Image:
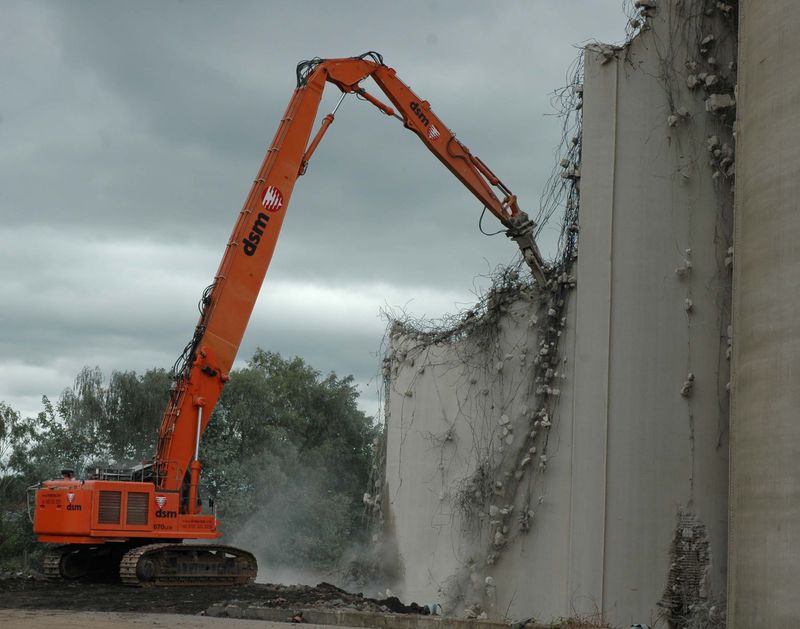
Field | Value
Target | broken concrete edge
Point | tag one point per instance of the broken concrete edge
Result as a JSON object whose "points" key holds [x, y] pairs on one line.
{"points": [[373, 620], [639, 14]]}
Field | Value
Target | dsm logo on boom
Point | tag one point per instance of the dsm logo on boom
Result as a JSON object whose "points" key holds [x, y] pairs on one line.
{"points": [[420, 113], [256, 231], [272, 201]]}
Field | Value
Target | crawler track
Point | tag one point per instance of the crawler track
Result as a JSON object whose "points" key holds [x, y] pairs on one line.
{"points": [[187, 564], [51, 564], [81, 562]]}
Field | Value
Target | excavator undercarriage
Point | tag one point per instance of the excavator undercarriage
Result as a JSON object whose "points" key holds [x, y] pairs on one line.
{"points": [[151, 564]]}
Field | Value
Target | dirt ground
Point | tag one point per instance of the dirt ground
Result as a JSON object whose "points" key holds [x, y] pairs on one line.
{"points": [[27, 603], [60, 619], [31, 594]]}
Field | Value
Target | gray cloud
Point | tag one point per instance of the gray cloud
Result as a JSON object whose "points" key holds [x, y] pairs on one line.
{"points": [[130, 132]]}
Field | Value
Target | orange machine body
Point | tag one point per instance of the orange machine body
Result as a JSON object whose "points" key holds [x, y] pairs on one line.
{"points": [[71, 511], [107, 508]]}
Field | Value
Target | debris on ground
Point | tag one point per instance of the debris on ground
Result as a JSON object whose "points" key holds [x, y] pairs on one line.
{"points": [[27, 592]]}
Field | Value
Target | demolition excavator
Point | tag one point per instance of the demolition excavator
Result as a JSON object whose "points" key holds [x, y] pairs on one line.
{"points": [[131, 523]]}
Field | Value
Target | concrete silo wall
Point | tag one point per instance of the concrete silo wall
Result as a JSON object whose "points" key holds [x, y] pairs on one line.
{"points": [[765, 413], [625, 517], [650, 410]]}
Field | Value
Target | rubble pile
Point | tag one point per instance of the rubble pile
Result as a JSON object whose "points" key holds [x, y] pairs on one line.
{"points": [[327, 596], [24, 591]]}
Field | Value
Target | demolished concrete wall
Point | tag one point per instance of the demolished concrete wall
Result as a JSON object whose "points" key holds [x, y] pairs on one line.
{"points": [[477, 463], [564, 452]]}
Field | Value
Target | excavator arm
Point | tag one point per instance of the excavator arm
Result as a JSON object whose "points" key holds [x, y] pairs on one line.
{"points": [[417, 116], [227, 304]]}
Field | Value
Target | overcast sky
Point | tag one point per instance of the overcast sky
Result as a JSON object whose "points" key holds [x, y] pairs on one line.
{"points": [[130, 133]]}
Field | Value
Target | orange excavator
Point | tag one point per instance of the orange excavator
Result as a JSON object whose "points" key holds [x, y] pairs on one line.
{"points": [[132, 522]]}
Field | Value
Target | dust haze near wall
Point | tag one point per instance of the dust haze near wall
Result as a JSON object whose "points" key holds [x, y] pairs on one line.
{"points": [[518, 492]]}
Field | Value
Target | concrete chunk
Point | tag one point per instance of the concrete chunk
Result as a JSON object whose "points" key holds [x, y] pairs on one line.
{"points": [[716, 102]]}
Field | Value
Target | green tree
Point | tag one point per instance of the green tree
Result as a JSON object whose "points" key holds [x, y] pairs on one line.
{"points": [[134, 405], [115, 423], [15, 438]]}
